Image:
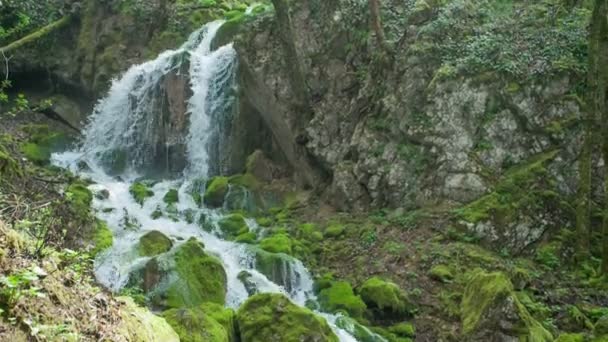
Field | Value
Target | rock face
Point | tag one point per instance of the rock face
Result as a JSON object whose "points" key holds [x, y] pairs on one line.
{"points": [[272, 317], [492, 312]]}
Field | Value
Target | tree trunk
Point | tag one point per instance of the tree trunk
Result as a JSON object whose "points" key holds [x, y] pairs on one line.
{"points": [[36, 35], [376, 23], [600, 27], [292, 61]]}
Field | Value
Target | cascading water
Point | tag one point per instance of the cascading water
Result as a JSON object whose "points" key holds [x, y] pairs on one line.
{"points": [[125, 123]]}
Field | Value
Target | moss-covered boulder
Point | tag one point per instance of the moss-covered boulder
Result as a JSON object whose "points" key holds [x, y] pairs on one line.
{"points": [[102, 237], [233, 226], [154, 243], [216, 190], [278, 243], [196, 325], [490, 306], [171, 197], [79, 198], [340, 297], [273, 317], [141, 325], [385, 298], [140, 192], [276, 267], [186, 278], [334, 231]]}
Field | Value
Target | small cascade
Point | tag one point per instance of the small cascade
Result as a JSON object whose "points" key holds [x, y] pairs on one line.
{"points": [[132, 131]]}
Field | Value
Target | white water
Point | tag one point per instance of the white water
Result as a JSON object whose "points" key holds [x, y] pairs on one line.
{"points": [[119, 120]]}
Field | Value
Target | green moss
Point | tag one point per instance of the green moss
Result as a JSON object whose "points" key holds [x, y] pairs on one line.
{"points": [[9, 167], [140, 324], [195, 325], [571, 338], [246, 180], [441, 273], [80, 199], [264, 221], [340, 297], [40, 155], [334, 230], [522, 187], [487, 292], [216, 190], [171, 197], [200, 278], [403, 330], [248, 237], [273, 317], [224, 316], [278, 243], [103, 238], [385, 296], [276, 267], [157, 213], [154, 243], [140, 192], [233, 226], [360, 332]]}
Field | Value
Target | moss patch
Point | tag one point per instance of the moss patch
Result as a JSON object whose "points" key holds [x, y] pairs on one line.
{"points": [[217, 188], [103, 238], [273, 317], [201, 278], [233, 226], [385, 296], [278, 243], [140, 192], [441, 273], [171, 197], [195, 325], [341, 297], [154, 243]]}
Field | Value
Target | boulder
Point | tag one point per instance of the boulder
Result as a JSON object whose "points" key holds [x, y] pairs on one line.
{"points": [[491, 311], [341, 297], [273, 317], [385, 298], [233, 226], [216, 190], [154, 243], [205, 323]]}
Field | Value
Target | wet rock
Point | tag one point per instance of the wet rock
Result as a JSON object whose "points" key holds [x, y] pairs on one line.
{"points": [[385, 299], [216, 190], [154, 243], [250, 286], [273, 317]]}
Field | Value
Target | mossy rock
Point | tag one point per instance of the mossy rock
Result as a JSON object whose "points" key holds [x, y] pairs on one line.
{"points": [[139, 324], [278, 243], [360, 332], [488, 300], [245, 278], [224, 316], [217, 188], [153, 243], [140, 192], [102, 238], [276, 267], [273, 317], [35, 153], [248, 238], [171, 197], [571, 338], [195, 325], [385, 298], [441, 273], [233, 226], [186, 278], [334, 231], [341, 297]]}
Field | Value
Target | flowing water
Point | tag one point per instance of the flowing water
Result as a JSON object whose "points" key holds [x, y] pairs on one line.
{"points": [[125, 120]]}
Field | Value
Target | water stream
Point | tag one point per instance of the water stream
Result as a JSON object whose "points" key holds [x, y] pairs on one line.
{"points": [[126, 121]]}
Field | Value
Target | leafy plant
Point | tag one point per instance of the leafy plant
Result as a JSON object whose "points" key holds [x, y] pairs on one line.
{"points": [[19, 284]]}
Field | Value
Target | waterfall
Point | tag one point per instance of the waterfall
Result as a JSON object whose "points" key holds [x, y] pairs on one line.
{"points": [[126, 137]]}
